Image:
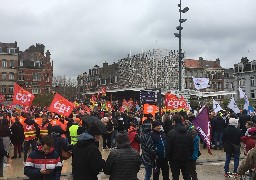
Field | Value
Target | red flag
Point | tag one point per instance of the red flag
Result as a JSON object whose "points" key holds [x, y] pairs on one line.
{"points": [[202, 124], [61, 106], [103, 90], [21, 96]]}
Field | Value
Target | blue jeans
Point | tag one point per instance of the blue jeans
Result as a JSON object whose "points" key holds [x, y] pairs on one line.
{"points": [[217, 136], [148, 172], [236, 161]]}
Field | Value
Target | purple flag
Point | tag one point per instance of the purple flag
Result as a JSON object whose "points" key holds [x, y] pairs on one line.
{"points": [[202, 124]]}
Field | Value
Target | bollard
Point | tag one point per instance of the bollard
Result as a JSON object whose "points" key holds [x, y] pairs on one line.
{"points": [[1, 167]]}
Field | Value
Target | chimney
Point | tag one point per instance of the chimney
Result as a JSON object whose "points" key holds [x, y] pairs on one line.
{"points": [[201, 58], [218, 61]]}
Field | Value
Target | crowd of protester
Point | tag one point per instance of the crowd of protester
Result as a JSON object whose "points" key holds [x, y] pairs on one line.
{"points": [[163, 144]]}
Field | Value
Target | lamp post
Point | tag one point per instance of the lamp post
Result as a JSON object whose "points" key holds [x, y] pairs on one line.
{"points": [[178, 35]]}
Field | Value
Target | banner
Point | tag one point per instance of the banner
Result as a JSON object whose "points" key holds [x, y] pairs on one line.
{"points": [[21, 96], [149, 109], [232, 105], [103, 91], [172, 102], [108, 106], [61, 106], [201, 83], [202, 124], [215, 106]]}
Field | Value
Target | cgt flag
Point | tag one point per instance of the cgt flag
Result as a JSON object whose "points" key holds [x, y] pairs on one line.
{"points": [[202, 124], [61, 106], [21, 96]]}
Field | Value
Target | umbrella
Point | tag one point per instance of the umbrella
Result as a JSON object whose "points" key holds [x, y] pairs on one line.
{"points": [[93, 121]]}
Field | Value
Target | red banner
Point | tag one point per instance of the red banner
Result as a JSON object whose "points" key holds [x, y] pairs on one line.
{"points": [[21, 96], [103, 90], [172, 102], [61, 106]]}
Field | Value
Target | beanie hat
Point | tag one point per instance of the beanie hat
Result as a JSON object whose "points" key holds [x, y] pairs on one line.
{"points": [[155, 124], [122, 137], [94, 130], [233, 122]]}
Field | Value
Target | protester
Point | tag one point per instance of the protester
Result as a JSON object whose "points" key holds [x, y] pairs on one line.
{"points": [[17, 137], [73, 131], [159, 142], [231, 140], [3, 153], [5, 135], [87, 160], [45, 127], [167, 123], [43, 163], [134, 137], [148, 154], [218, 126], [248, 162], [179, 149], [123, 163], [249, 140], [243, 118], [31, 133]]}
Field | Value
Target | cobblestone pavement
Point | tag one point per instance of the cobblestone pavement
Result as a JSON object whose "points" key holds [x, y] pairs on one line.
{"points": [[209, 166]]}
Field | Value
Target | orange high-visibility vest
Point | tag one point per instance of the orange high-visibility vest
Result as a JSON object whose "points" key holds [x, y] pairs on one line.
{"points": [[29, 132]]}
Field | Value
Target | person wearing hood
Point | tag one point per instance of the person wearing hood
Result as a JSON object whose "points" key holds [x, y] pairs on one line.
{"points": [[31, 133], [124, 161], [134, 137], [231, 141], [159, 142], [17, 137], [148, 154], [44, 163], [87, 160], [180, 147]]}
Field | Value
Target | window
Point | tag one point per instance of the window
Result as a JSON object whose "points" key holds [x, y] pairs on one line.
{"points": [[227, 85], [103, 81], [36, 76], [252, 94], [37, 64], [11, 76], [21, 62], [11, 50], [3, 89], [36, 90], [11, 89], [0, 50], [4, 63], [12, 63], [21, 78], [4, 76], [252, 81]]}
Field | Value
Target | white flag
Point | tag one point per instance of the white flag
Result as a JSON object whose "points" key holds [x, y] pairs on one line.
{"points": [[201, 83], [216, 106], [246, 102], [232, 105], [241, 93]]}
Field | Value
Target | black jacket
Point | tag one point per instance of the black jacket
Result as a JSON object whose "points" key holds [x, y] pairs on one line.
{"points": [[87, 161], [2, 150], [218, 124], [17, 133], [180, 144], [231, 136], [123, 163]]}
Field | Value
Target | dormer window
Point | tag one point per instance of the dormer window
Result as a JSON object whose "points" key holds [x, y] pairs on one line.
{"points": [[11, 50], [37, 64]]}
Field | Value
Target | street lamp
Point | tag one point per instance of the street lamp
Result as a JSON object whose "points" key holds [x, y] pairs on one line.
{"points": [[178, 35]]}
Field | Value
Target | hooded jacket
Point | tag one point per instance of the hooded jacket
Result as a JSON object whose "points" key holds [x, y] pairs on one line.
{"points": [[180, 146], [87, 161], [248, 163]]}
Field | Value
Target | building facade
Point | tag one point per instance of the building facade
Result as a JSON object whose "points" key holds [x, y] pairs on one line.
{"points": [[204, 69], [35, 70], [30, 69], [8, 68], [245, 74]]}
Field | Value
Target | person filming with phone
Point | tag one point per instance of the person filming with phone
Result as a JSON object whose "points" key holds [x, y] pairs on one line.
{"points": [[44, 163]]}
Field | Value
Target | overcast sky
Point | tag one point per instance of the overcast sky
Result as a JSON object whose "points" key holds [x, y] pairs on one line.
{"points": [[82, 33]]}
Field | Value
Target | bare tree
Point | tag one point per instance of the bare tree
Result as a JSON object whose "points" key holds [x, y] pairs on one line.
{"points": [[66, 86]]}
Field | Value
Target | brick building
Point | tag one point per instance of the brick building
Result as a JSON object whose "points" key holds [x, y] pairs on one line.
{"points": [[30, 69]]}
